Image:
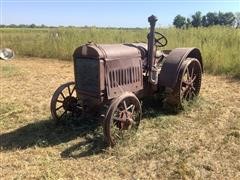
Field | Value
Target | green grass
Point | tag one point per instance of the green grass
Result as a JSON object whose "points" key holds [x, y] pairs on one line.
{"points": [[8, 70], [219, 45]]}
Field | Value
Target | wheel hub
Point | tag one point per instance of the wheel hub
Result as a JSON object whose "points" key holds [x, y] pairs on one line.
{"points": [[126, 120], [70, 103]]}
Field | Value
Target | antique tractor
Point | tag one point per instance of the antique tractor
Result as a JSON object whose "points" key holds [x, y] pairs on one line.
{"points": [[116, 76]]}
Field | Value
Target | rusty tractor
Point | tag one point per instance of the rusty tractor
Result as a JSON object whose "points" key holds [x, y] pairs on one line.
{"points": [[116, 76]]}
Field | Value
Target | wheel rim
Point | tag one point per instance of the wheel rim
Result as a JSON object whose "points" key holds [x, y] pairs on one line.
{"points": [[190, 81], [65, 102], [124, 119]]}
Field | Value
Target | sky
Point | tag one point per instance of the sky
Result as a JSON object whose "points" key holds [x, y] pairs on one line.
{"points": [[106, 13]]}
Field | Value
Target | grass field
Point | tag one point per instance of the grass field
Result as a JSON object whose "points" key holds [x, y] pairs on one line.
{"points": [[219, 45], [202, 142]]}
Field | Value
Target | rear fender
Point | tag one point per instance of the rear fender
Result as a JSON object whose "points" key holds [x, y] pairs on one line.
{"points": [[172, 65]]}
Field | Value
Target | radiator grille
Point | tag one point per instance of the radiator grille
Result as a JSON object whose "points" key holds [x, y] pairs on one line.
{"points": [[121, 77], [87, 75]]}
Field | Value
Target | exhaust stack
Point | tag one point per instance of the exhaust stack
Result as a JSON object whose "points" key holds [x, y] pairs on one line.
{"points": [[153, 75]]}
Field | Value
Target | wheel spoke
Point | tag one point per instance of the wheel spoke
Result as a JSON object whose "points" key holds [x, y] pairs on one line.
{"points": [[74, 87], [192, 72], [69, 91], [133, 109], [129, 107], [62, 95], [65, 112], [193, 93], [186, 83], [59, 107], [118, 119], [188, 74], [186, 93], [193, 79], [60, 101], [190, 94], [193, 88], [125, 105]]}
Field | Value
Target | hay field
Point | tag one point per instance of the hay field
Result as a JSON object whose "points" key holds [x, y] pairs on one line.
{"points": [[200, 143]]}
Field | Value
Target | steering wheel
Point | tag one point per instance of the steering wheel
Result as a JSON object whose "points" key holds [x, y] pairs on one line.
{"points": [[160, 41]]}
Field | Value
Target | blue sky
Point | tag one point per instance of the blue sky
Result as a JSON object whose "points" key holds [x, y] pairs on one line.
{"points": [[106, 13]]}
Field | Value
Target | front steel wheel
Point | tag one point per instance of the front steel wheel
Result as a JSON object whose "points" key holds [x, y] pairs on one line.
{"points": [[188, 85], [64, 102], [122, 118]]}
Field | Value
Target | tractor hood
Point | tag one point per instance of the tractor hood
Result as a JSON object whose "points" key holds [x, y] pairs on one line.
{"points": [[111, 51]]}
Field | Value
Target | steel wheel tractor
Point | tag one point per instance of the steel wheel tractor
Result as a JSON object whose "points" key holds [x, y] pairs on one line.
{"points": [[116, 76]]}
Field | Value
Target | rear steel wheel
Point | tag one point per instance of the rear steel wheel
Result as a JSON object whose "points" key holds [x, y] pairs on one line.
{"points": [[188, 85], [64, 102], [122, 118]]}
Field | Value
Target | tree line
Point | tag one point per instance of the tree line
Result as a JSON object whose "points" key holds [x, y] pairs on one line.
{"points": [[209, 19], [28, 26], [60, 26], [196, 20]]}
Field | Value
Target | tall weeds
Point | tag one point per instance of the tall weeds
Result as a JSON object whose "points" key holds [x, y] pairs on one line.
{"points": [[220, 46]]}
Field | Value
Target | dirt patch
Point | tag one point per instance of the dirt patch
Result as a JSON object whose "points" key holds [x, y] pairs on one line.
{"points": [[202, 142]]}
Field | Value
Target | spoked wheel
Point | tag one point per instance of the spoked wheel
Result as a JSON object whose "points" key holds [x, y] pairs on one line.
{"points": [[188, 84], [122, 118], [64, 102]]}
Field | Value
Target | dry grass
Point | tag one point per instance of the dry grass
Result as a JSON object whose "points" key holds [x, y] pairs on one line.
{"points": [[202, 142]]}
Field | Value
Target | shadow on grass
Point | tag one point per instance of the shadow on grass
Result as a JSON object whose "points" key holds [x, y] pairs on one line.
{"points": [[154, 107], [45, 133], [91, 146]]}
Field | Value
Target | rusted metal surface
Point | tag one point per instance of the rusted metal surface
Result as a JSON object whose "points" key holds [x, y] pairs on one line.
{"points": [[188, 84], [122, 77], [122, 71], [123, 115], [108, 52], [151, 41], [65, 102], [171, 67]]}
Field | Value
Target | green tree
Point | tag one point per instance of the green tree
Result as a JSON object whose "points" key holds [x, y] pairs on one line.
{"points": [[179, 21], [32, 26], [21, 25], [221, 18], [212, 18], [43, 26], [197, 19], [229, 19], [12, 25], [188, 23], [204, 21]]}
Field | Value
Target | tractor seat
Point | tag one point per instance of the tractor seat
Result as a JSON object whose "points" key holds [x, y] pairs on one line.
{"points": [[159, 54]]}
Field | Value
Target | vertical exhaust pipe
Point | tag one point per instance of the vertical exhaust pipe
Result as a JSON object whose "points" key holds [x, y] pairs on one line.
{"points": [[153, 74]]}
